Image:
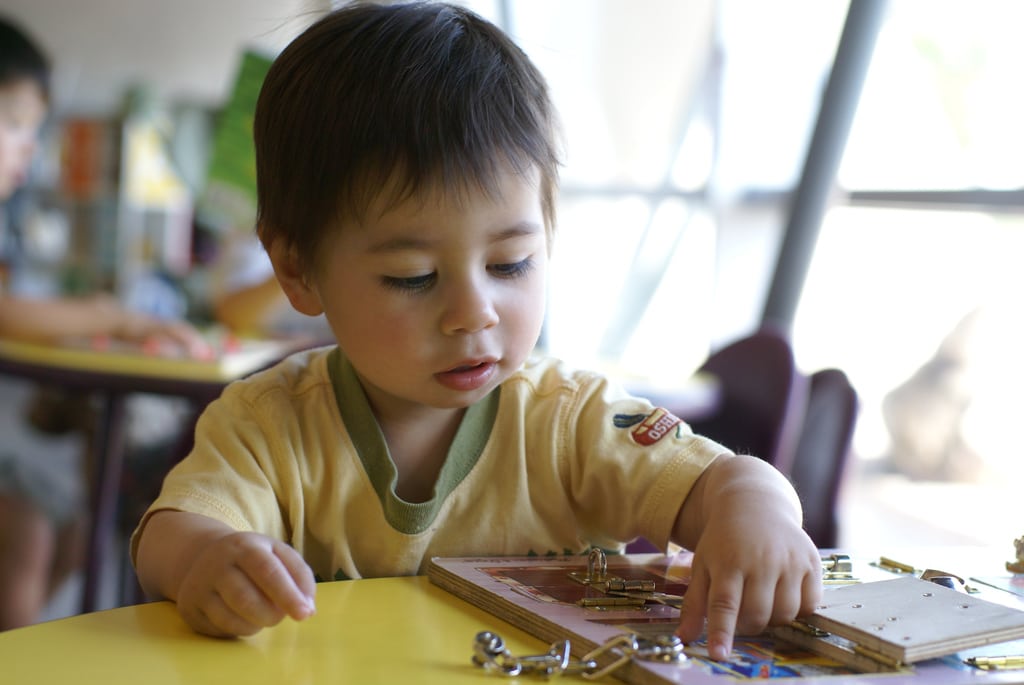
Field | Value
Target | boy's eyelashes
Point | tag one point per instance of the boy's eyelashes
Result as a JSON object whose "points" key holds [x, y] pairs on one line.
{"points": [[411, 284], [422, 282], [512, 270]]}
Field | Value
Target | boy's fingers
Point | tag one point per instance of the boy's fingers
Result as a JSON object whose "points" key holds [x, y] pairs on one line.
{"points": [[691, 614], [723, 605], [220, 620], [788, 600], [243, 591], [811, 594], [760, 600], [301, 575], [274, 579]]}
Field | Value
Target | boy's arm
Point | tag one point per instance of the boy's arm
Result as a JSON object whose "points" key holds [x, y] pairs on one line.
{"points": [[225, 583], [753, 565]]}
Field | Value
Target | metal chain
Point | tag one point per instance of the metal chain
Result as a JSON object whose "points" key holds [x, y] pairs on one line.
{"points": [[490, 653]]}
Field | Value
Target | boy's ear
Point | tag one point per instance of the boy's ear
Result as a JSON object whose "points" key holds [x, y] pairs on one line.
{"points": [[293, 279]]}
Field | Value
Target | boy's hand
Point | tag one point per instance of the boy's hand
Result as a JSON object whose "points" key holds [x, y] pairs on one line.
{"points": [[753, 565], [243, 582]]}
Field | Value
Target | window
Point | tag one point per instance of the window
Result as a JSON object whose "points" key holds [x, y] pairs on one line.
{"points": [[914, 289]]}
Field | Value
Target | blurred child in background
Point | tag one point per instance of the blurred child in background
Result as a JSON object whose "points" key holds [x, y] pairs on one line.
{"points": [[42, 523]]}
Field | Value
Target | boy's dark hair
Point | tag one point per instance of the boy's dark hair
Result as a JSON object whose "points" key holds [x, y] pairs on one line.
{"points": [[425, 95], [20, 58]]}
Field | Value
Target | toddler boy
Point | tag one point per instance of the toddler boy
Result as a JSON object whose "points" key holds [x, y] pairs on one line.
{"points": [[407, 172]]}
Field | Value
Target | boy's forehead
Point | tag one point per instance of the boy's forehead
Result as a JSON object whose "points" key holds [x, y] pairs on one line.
{"points": [[437, 188], [510, 200], [397, 191]]}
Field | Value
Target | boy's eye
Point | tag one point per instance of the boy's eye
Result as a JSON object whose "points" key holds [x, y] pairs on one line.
{"points": [[415, 284], [409, 283], [513, 270]]}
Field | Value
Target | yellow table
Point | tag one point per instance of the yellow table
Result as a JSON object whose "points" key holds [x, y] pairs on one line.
{"points": [[389, 630]]}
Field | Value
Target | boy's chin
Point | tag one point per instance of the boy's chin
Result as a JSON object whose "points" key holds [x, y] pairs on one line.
{"points": [[449, 399], [464, 401]]}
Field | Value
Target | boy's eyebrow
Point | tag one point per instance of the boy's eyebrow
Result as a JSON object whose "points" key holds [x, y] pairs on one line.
{"points": [[400, 243]]}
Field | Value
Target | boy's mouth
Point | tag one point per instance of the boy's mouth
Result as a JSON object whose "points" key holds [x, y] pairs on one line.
{"points": [[469, 376], [465, 367]]}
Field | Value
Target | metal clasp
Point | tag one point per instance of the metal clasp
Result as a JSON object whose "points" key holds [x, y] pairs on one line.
{"points": [[489, 653], [667, 648]]}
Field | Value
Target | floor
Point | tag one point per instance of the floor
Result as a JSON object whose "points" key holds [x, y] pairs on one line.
{"points": [[880, 509], [59, 457]]}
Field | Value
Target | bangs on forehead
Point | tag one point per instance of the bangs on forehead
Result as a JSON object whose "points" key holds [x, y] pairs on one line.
{"points": [[455, 178]]}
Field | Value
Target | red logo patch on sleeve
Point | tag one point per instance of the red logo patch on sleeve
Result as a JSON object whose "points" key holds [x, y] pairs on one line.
{"points": [[657, 425]]}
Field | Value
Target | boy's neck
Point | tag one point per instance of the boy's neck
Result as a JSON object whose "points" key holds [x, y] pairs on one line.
{"points": [[419, 444]]}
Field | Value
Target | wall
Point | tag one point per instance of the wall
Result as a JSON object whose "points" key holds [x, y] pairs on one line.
{"points": [[185, 50]]}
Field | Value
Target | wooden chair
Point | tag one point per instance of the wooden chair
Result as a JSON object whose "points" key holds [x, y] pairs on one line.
{"points": [[761, 397], [761, 402], [821, 454]]}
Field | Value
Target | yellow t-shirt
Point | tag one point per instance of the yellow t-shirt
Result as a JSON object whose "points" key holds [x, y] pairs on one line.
{"points": [[552, 462]]}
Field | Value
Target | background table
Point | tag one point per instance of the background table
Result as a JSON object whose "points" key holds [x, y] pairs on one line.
{"points": [[111, 375], [390, 630]]}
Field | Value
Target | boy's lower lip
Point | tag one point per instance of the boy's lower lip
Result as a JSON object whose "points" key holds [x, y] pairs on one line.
{"points": [[467, 377]]}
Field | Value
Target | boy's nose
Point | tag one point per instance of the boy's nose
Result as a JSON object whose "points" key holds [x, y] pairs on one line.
{"points": [[468, 309]]}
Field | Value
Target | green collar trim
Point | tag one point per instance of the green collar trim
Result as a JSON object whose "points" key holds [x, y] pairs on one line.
{"points": [[471, 438]]}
